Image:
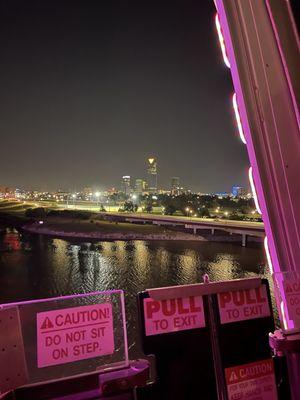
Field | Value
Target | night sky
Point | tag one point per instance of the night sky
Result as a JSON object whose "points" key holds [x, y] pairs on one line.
{"points": [[89, 89]]}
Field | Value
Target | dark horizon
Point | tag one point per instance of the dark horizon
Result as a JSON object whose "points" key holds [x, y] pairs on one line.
{"points": [[90, 90]]}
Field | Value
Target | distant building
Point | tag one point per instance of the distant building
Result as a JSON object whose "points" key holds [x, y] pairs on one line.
{"points": [[237, 191], [221, 195], [126, 186], [140, 186], [59, 195], [245, 193], [60, 192], [110, 191], [6, 191], [163, 191], [19, 193], [175, 185], [152, 174], [86, 194], [88, 191]]}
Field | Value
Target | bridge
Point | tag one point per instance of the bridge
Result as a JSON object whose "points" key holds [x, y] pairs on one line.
{"points": [[243, 228]]}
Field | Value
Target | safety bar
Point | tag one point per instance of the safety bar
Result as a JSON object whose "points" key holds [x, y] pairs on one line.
{"points": [[202, 289]]}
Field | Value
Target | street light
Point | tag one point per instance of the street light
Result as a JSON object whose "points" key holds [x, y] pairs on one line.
{"points": [[187, 211], [74, 197]]}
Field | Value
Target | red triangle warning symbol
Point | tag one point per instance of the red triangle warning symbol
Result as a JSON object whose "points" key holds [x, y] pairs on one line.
{"points": [[47, 324]]}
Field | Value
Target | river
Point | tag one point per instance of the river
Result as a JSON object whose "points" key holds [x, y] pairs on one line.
{"points": [[39, 267]]}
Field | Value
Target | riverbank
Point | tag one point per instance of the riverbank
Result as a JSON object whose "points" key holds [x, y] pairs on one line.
{"points": [[106, 230]]}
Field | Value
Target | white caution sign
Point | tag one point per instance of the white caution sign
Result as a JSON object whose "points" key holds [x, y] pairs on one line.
{"points": [[164, 316], [73, 334], [242, 305], [254, 381]]}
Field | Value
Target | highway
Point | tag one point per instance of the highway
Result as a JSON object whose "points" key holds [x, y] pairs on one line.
{"points": [[243, 228]]}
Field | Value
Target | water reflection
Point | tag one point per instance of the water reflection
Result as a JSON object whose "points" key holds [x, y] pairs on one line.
{"points": [[40, 267]]}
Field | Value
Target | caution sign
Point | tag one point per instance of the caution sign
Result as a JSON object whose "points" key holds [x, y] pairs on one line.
{"points": [[243, 305], [254, 381], [164, 316], [73, 334], [292, 291]]}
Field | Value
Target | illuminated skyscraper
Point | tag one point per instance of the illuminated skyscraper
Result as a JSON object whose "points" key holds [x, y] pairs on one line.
{"points": [[237, 191], [152, 174], [175, 189], [140, 186], [126, 188]]}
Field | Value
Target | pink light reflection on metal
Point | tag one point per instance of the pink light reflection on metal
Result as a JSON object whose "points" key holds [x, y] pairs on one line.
{"points": [[282, 309], [266, 246], [252, 184], [238, 118], [222, 41]]}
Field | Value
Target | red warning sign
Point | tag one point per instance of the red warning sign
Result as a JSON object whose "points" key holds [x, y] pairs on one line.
{"points": [[292, 291], [242, 305], [73, 334], [173, 315], [254, 381], [47, 324]]}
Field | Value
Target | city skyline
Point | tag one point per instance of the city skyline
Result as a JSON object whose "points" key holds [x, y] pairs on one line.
{"points": [[146, 178], [128, 185], [88, 92]]}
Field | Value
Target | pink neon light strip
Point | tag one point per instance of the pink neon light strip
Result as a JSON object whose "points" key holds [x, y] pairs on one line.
{"points": [[222, 41], [238, 118], [254, 190]]}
